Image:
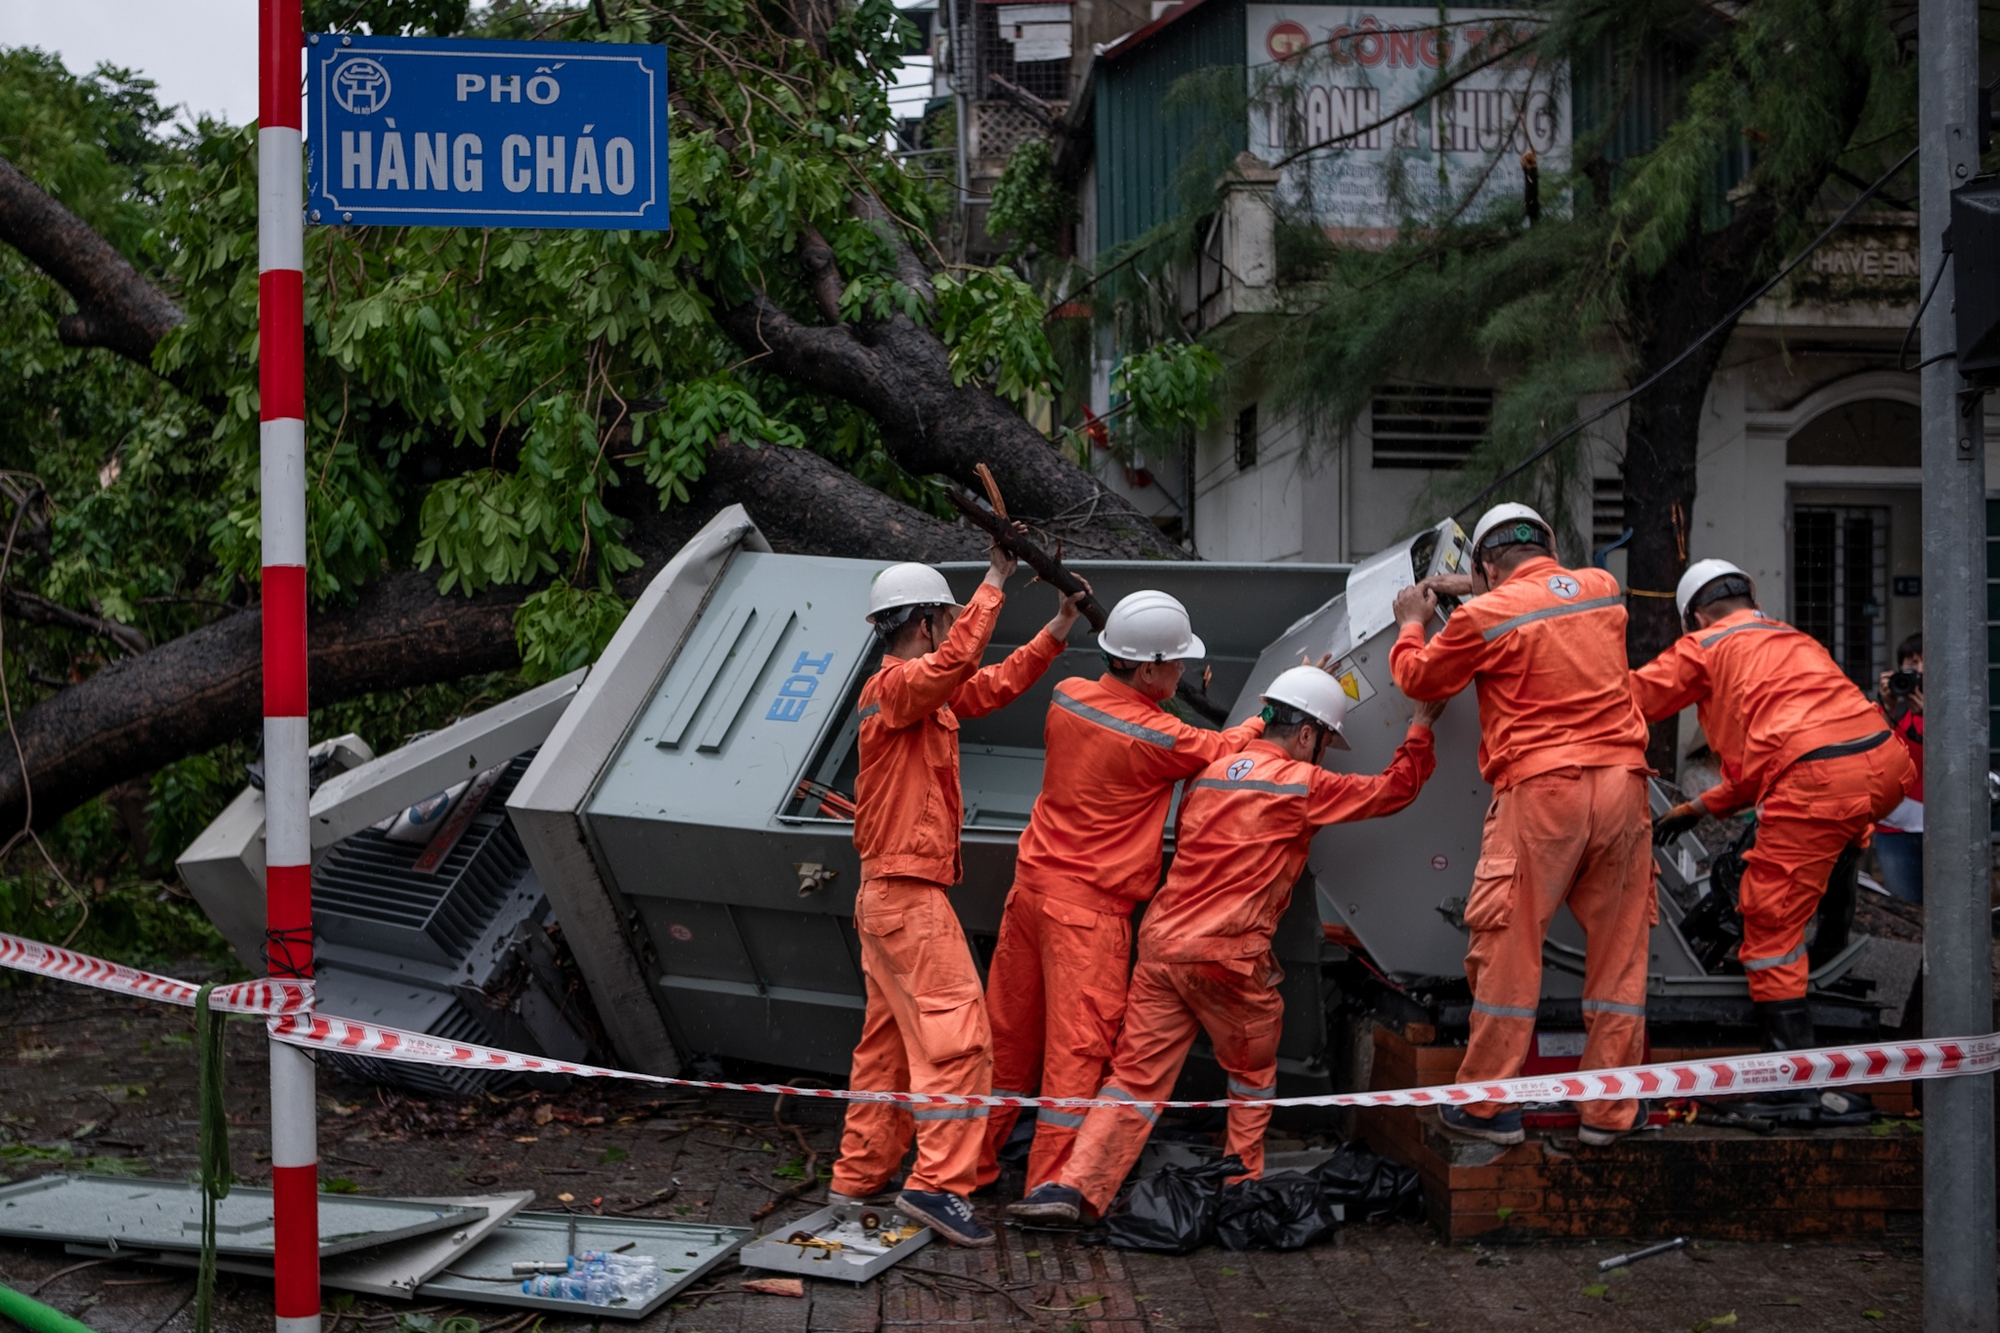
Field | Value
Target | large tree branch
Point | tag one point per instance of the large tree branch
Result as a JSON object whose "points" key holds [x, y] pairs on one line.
{"points": [[206, 688], [34, 609], [901, 376], [116, 307]]}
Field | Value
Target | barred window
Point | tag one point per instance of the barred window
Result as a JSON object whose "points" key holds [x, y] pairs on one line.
{"points": [[1428, 426], [1246, 438], [1607, 510]]}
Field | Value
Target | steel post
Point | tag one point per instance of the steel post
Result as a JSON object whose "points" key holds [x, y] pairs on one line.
{"points": [[1958, 980], [287, 845]]}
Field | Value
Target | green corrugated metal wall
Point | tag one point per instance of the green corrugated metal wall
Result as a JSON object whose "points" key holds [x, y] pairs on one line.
{"points": [[1140, 146]]}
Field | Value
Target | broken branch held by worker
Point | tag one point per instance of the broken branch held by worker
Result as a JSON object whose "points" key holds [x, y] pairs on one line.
{"points": [[1564, 746], [925, 1027], [1205, 963], [1797, 739], [1092, 851]]}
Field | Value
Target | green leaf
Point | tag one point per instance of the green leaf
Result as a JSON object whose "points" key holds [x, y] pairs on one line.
{"points": [[338, 1185], [1596, 1290], [610, 1155]]}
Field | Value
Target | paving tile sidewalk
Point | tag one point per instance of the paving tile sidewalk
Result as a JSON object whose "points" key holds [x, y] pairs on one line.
{"points": [[106, 1081]]}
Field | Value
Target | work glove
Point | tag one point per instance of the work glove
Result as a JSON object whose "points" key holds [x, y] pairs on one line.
{"points": [[1675, 822]]}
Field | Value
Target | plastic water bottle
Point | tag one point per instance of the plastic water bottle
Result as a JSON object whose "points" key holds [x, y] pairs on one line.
{"points": [[589, 1288]]}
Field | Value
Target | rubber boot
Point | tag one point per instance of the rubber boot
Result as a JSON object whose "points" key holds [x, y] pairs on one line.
{"points": [[1787, 1026]]}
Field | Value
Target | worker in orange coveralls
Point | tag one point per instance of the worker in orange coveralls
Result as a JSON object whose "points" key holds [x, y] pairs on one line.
{"points": [[1564, 746], [1205, 960], [1797, 738], [1092, 849], [926, 1028]]}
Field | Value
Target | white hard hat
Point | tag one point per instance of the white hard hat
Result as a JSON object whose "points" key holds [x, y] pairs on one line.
{"points": [[907, 585], [1314, 693], [1499, 515], [1150, 626], [1700, 574]]}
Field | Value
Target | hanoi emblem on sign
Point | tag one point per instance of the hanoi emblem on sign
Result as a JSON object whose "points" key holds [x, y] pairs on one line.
{"points": [[361, 87]]}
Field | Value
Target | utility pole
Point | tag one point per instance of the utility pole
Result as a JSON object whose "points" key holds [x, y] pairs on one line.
{"points": [[1958, 977], [281, 387]]}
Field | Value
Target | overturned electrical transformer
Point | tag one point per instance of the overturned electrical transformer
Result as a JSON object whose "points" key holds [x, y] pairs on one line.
{"points": [[683, 812]]}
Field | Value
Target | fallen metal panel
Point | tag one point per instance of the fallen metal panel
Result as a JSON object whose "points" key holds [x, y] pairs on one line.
{"points": [[395, 1270], [545, 805], [166, 1214], [350, 802], [684, 1251], [849, 1250]]}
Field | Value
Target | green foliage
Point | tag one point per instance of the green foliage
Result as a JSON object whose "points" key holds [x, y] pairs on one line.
{"points": [[992, 320], [1028, 203], [1171, 386], [562, 628], [63, 1155]]}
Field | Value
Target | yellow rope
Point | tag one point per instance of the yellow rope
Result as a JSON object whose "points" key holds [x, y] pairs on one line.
{"points": [[1647, 592]]}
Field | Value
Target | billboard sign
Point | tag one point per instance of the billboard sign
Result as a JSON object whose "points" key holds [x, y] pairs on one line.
{"points": [[439, 132], [1340, 96]]}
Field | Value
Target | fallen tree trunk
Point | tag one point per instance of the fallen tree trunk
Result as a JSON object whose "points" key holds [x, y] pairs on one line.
{"points": [[206, 688]]}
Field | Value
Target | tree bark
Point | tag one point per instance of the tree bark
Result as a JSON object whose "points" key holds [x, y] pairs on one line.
{"points": [[900, 374], [116, 307], [1662, 434]]}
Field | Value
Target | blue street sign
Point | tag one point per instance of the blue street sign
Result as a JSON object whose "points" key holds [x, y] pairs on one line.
{"points": [[437, 132]]}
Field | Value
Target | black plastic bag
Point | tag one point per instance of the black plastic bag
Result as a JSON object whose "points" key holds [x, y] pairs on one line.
{"points": [[1285, 1211], [1373, 1188], [1171, 1211]]}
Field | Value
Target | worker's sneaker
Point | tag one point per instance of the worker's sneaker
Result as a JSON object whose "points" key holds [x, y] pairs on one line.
{"points": [[1604, 1138], [1049, 1202], [1504, 1127], [946, 1214]]}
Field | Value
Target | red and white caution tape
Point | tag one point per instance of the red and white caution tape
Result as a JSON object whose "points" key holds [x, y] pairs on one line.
{"points": [[265, 996], [288, 1005], [1733, 1076]]}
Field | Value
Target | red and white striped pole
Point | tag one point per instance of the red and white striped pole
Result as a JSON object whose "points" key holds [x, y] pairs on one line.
{"points": [[281, 383]]}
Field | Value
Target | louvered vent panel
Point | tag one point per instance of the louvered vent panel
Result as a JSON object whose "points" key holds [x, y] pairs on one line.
{"points": [[365, 891]]}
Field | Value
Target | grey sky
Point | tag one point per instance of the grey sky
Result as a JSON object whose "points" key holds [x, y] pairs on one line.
{"points": [[201, 53]]}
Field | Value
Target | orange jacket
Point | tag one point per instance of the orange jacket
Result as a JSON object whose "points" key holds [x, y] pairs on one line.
{"points": [[908, 804], [1547, 649], [1765, 693], [1244, 831], [1113, 759]]}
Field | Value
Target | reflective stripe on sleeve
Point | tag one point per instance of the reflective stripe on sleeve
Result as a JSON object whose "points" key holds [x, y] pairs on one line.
{"points": [[1501, 1010], [1244, 1090], [1060, 1119], [1594, 604], [1252, 784], [1112, 723], [869, 710], [1759, 964]]}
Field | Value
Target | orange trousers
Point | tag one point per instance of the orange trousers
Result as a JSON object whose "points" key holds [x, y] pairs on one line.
{"points": [[1236, 1002], [1812, 812], [1580, 836], [925, 1031], [1056, 995]]}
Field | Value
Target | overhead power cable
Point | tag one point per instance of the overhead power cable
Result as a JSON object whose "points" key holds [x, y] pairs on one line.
{"points": [[1575, 427]]}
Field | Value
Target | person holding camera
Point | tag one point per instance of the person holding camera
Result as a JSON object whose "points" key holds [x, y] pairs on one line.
{"points": [[1899, 838]]}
